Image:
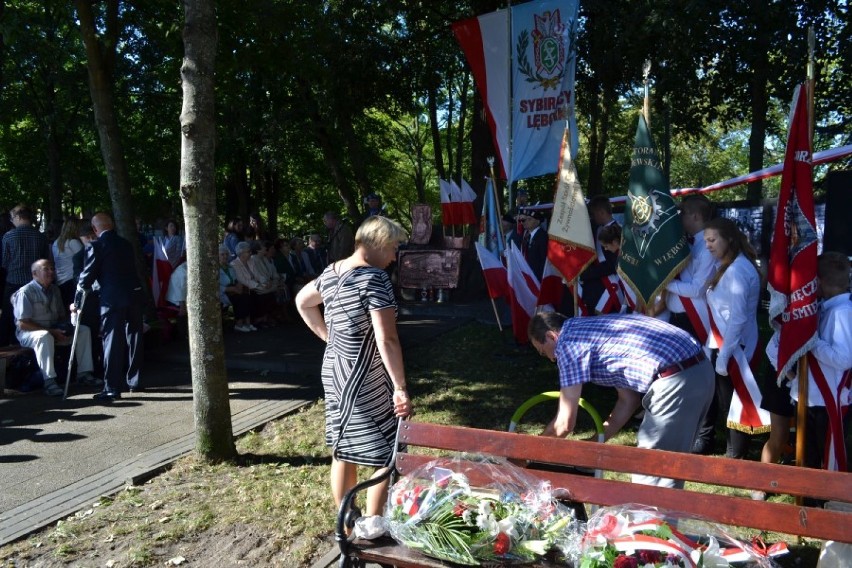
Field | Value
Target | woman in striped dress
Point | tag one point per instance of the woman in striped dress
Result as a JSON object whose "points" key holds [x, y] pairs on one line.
{"points": [[362, 371]]}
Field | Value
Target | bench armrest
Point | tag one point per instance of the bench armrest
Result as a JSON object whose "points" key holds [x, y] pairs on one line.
{"points": [[349, 513]]}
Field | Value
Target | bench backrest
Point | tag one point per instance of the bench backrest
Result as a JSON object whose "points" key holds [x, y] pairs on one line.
{"points": [[725, 509]]}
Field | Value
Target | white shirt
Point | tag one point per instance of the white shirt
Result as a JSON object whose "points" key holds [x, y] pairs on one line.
{"points": [[176, 293], [733, 306], [833, 348], [64, 261], [694, 276]]}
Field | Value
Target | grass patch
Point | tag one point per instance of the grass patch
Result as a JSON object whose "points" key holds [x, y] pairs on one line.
{"points": [[273, 506]]}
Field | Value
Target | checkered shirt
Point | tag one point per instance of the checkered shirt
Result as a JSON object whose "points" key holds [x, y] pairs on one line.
{"points": [[22, 246], [622, 351]]}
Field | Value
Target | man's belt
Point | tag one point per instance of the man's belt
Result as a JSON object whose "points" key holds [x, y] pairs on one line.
{"points": [[680, 365]]}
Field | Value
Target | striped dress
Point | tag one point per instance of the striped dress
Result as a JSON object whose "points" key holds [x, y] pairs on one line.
{"points": [[360, 424]]}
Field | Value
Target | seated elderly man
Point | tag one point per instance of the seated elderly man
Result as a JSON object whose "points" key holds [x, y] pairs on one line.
{"points": [[42, 323]]}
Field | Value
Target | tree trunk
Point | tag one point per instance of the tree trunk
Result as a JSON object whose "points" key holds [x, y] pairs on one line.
{"points": [[460, 133], [273, 202], [101, 57], [482, 148], [432, 97], [54, 167], [214, 438], [756, 140], [330, 153]]}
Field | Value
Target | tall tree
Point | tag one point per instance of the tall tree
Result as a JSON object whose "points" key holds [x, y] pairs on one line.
{"points": [[214, 434], [101, 49]]}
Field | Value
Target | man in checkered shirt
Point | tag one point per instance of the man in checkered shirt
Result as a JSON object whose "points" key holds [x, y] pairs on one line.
{"points": [[21, 247], [646, 360]]}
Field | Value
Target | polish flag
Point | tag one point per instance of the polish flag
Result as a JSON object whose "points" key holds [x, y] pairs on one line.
{"points": [[494, 272], [447, 212], [161, 272], [468, 196], [551, 287], [459, 217], [525, 289]]}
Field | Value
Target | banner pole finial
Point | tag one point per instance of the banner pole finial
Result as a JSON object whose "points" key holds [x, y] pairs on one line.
{"points": [[646, 110]]}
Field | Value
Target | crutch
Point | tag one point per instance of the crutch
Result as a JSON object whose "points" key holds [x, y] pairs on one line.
{"points": [[74, 342]]}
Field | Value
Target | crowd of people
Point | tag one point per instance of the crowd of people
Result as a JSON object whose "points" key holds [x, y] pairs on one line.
{"points": [[89, 269], [701, 336], [82, 287], [684, 361]]}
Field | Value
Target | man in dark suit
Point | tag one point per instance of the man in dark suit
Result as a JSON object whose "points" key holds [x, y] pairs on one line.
{"points": [[534, 240], [110, 261]]}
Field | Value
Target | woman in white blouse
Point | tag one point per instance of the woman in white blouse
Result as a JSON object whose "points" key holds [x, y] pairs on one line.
{"points": [[733, 296], [64, 248]]}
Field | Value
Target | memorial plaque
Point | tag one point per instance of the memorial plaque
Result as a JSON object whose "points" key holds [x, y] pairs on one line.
{"points": [[421, 224], [429, 268]]}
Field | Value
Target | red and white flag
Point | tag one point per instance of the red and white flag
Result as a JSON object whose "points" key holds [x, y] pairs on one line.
{"points": [[551, 290], [161, 272], [456, 204], [571, 246], [447, 211], [468, 196], [792, 277], [496, 279], [525, 289], [523, 62]]}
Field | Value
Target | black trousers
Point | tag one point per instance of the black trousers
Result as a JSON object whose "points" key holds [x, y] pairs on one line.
{"points": [[123, 346], [7, 318]]}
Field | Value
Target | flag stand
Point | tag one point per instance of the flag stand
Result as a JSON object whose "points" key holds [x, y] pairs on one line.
{"points": [[496, 315], [498, 228], [802, 369]]}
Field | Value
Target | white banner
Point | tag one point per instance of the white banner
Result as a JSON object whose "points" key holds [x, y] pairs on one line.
{"points": [[540, 43]]}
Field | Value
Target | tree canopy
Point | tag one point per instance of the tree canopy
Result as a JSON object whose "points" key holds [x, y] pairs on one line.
{"points": [[321, 103]]}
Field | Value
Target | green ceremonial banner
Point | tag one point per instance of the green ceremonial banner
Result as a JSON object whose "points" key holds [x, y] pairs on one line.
{"points": [[654, 247]]}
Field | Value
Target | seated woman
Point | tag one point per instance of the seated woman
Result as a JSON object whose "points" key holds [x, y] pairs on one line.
{"points": [[263, 299], [233, 293], [264, 270]]}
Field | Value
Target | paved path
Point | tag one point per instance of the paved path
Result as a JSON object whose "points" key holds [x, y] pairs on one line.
{"points": [[57, 456]]}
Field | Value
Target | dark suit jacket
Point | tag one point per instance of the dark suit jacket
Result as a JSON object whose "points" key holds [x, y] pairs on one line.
{"points": [[110, 260], [537, 252]]}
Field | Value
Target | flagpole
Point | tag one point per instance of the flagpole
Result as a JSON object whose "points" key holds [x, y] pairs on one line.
{"points": [[802, 368], [508, 167], [498, 227], [646, 108]]}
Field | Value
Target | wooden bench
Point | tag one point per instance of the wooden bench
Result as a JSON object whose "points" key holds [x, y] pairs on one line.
{"points": [[566, 454], [6, 355]]}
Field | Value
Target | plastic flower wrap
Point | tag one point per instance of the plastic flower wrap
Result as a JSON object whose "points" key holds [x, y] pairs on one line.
{"points": [[637, 536], [508, 516]]}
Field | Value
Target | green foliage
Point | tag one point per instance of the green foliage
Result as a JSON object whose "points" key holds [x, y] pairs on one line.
{"points": [[319, 103]]}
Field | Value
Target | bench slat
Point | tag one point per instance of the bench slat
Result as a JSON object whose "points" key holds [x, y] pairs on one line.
{"points": [[723, 509], [771, 478]]}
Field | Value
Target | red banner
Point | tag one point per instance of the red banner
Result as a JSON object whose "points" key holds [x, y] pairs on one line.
{"points": [[792, 274]]}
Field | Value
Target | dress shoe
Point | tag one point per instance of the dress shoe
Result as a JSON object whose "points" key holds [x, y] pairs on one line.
{"points": [[90, 380], [52, 389], [107, 396], [702, 448]]}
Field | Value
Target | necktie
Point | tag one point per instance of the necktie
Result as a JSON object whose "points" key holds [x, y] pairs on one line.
{"points": [[525, 245]]}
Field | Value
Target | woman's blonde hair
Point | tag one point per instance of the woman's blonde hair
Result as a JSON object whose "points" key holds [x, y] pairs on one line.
{"points": [[737, 243], [70, 230], [377, 232]]}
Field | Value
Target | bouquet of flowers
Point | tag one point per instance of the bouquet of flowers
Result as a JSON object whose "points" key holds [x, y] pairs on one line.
{"points": [[511, 518], [636, 536]]}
